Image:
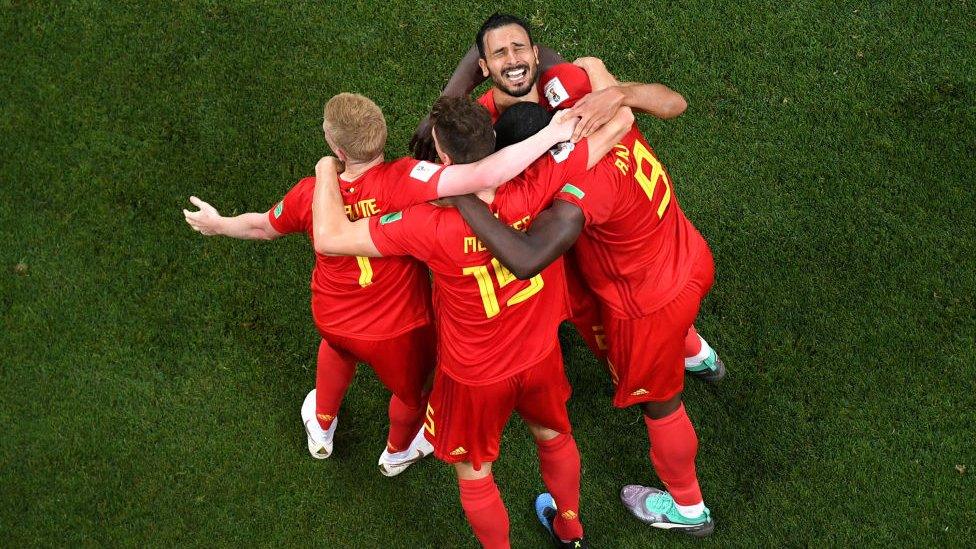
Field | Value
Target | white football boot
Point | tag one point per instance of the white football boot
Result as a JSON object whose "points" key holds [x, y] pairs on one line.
{"points": [[392, 465], [319, 440]]}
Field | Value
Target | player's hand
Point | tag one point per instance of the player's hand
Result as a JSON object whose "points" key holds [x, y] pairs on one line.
{"points": [[595, 110], [329, 163], [422, 142], [562, 124], [206, 220]]}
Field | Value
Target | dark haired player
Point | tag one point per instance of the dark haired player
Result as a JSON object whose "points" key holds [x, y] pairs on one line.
{"points": [[650, 268], [505, 52], [497, 336]]}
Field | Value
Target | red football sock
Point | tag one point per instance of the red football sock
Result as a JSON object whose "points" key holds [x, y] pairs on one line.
{"points": [[559, 461], [333, 374], [404, 424], [485, 511], [673, 449], [692, 343]]}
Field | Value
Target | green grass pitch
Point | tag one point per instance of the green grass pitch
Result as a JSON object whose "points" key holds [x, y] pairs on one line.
{"points": [[150, 379]]}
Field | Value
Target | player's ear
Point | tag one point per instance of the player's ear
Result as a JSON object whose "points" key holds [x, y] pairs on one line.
{"points": [[535, 49], [443, 156], [484, 66]]}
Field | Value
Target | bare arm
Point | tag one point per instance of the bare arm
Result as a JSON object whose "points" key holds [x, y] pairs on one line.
{"points": [[466, 77], [490, 172], [249, 226], [333, 233], [527, 253], [608, 95], [655, 99]]}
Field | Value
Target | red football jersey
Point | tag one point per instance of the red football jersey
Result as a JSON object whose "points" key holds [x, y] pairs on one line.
{"points": [[487, 101], [366, 298], [490, 324], [637, 248]]}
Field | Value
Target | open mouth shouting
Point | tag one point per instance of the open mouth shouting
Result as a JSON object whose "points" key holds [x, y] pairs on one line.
{"points": [[516, 76]]}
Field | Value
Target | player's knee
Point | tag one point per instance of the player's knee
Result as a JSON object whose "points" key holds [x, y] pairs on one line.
{"points": [[466, 471], [541, 433], [658, 410]]}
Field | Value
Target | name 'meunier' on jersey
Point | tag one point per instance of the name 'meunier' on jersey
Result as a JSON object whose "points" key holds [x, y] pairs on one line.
{"points": [[366, 298]]}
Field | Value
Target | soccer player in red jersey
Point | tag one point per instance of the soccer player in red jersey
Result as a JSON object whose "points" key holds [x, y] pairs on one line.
{"points": [[650, 268], [505, 52], [498, 346], [374, 311]]}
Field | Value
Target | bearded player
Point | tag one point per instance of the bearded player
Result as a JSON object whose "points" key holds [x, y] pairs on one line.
{"points": [[650, 268], [505, 52], [375, 311], [497, 337]]}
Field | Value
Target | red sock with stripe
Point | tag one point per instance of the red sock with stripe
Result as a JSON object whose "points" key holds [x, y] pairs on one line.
{"points": [[485, 511], [559, 461], [333, 374], [404, 424], [674, 446]]}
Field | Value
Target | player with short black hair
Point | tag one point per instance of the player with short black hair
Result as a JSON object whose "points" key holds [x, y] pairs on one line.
{"points": [[650, 268], [505, 52]]}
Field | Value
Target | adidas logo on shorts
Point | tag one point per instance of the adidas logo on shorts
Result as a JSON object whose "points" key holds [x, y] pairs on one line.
{"points": [[458, 451], [639, 392]]}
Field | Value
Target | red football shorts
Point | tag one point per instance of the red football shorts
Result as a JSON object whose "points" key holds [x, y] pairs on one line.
{"points": [[465, 422], [585, 310], [402, 363], [646, 355]]}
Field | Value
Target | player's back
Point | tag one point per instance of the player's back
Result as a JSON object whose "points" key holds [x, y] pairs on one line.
{"points": [[492, 324], [368, 298], [637, 248]]}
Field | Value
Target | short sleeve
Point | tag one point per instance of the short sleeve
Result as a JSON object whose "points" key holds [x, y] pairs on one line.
{"points": [[411, 182], [547, 175], [293, 213], [412, 232], [594, 192]]}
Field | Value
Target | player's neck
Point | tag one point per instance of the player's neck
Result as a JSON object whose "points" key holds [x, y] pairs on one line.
{"points": [[504, 101], [355, 170]]}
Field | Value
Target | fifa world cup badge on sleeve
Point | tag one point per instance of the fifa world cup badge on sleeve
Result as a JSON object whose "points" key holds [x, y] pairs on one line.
{"points": [[424, 170], [560, 151], [555, 92]]}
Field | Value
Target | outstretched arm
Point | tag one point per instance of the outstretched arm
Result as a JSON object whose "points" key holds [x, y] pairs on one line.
{"points": [[466, 77], [609, 95], [332, 232], [527, 253], [209, 222], [490, 172]]}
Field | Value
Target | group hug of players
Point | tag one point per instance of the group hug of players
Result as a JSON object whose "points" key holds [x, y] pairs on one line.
{"points": [[560, 210]]}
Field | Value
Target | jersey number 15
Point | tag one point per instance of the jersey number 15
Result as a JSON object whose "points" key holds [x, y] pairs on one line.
{"points": [[505, 277]]}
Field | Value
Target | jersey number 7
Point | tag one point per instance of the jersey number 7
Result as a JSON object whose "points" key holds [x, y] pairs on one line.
{"points": [[505, 277]]}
